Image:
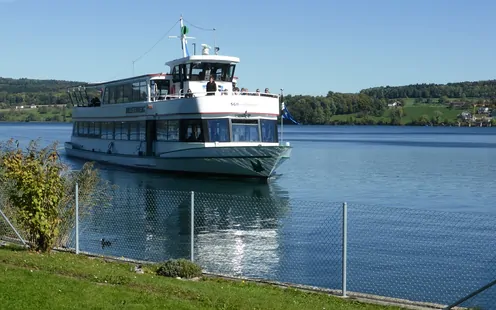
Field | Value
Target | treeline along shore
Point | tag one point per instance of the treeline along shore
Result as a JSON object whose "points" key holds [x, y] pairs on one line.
{"points": [[452, 104]]}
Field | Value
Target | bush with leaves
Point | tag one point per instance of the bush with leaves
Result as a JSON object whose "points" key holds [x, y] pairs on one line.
{"points": [[179, 268], [40, 190]]}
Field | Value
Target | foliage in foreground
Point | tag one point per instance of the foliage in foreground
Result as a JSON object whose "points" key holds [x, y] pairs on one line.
{"points": [[179, 268], [39, 191]]}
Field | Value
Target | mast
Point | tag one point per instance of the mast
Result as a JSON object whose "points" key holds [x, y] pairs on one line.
{"points": [[282, 113], [183, 37], [183, 30]]}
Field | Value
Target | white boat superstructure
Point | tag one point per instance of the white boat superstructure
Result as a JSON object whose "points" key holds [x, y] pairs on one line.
{"points": [[178, 121]]}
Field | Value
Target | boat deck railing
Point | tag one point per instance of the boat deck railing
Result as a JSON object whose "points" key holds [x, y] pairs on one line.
{"points": [[182, 95], [185, 96]]}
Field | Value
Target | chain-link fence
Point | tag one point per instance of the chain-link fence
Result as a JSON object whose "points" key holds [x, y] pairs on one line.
{"points": [[418, 255]]}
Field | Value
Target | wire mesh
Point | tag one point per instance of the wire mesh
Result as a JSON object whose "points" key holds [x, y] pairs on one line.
{"points": [[419, 255], [143, 224], [279, 240]]}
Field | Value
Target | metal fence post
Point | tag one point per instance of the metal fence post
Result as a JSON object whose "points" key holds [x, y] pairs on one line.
{"points": [[13, 228], [192, 225], [77, 219], [480, 290], [345, 245]]}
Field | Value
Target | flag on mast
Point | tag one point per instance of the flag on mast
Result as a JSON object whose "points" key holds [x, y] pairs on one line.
{"points": [[286, 115]]}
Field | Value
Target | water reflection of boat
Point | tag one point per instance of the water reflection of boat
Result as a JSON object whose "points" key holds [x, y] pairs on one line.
{"points": [[236, 223]]}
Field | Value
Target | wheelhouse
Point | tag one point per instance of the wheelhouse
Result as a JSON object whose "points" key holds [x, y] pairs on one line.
{"points": [[191, 73]]}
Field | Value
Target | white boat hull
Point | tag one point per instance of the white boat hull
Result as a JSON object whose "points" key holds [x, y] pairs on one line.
{"points": [[250, 161]]}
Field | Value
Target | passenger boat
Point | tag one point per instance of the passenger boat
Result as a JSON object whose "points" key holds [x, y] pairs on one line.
{"points": [[168, 121]]}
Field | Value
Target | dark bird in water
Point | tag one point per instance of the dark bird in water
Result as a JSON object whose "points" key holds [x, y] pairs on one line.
{"points": [[105, 242]]}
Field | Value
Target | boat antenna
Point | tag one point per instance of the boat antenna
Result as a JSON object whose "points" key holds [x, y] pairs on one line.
{"points": [[183, 30]]}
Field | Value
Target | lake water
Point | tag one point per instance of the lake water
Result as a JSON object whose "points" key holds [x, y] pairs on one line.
{"points": [[422, 213]]}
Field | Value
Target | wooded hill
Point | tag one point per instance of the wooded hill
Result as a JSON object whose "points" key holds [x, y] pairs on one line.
{"points": [[369, 105]]}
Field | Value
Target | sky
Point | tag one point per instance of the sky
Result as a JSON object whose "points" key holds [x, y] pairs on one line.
{"points": [[306, 47]]}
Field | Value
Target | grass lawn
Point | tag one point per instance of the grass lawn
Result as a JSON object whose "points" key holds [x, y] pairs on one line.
{"points": [[63, 280], [35, 115], [416, 111]]}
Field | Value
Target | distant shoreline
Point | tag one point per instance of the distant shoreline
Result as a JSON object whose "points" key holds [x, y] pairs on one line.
{"points": [[292, 125], [35, 122]]}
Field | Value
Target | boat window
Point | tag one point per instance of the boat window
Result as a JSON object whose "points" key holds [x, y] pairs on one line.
{"points": [[75, 128], [162, 88], [119, 94], [269, 130], [111, 91], [168, 130], [82, 129], [106, 96], [136, 91], [173, 130], [186, 72], [125, 131], [161, 130], [227, 73], [175, 74], [91, 129], [133, 130], [137, 131], [191, 131], [143, 91], [118, 131], [218, 130], [245, 131], [201, 71], [127, 93], [97, 130], [107, 130], [142, 134], [197, 72]]}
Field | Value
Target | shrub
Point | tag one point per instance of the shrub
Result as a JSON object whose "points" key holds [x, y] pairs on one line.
{"points": [[179, 268], [39, 189]]}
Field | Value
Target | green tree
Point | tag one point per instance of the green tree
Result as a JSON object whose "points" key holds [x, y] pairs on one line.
{"points": [[436, 119], [396, 115], [443, 100], [423, 120]]}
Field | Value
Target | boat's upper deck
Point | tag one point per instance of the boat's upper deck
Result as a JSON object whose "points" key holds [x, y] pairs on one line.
{"points": [[195, 84]]}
